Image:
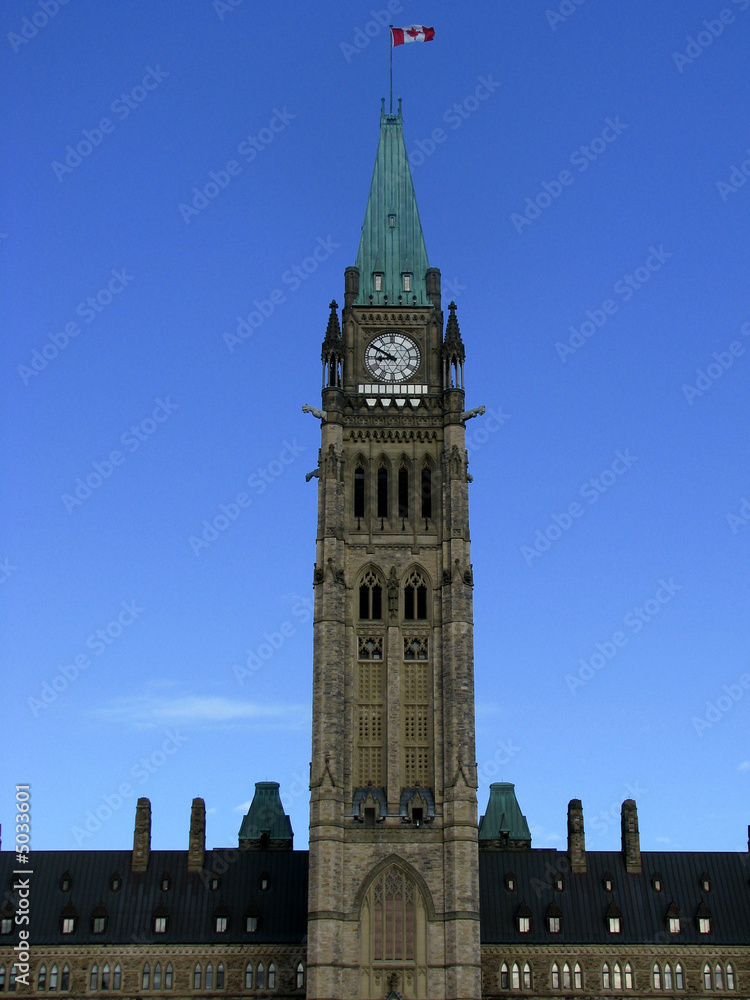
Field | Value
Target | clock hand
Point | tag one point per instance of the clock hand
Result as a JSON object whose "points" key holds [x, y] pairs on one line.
{"points": [[390, 357]]}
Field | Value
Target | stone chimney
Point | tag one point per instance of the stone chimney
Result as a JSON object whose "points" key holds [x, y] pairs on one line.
{"points": [[631, 841], [142, 836], [576, 837], [197, 841]]}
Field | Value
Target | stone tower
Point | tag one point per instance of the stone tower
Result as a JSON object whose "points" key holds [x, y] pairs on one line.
{"points": [[394, 883]]}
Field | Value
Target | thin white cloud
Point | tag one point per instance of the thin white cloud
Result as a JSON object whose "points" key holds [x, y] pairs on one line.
{"points": [[663, 840], [204, 711], [243, 806], [744, 766]]}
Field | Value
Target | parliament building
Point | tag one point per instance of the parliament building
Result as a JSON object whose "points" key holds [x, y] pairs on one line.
{"points": [[405, 892]]}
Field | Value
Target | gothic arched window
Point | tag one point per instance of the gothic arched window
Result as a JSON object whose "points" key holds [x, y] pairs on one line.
{"points": [[105, 977], [145, 977], [300, 976], [578, 977], [53, 978], [415, 597], [555, 977], [370, 597], [260, 979], [117, 978], [94, 978], [157, 976], [249, 976], [393, 899], [41, 984], [197, 977]]}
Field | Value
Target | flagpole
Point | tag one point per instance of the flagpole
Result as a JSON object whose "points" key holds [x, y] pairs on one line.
{"points": [[390, 35]]}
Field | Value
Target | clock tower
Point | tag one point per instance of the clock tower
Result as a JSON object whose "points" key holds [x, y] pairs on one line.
{"points": [[394, 880]]}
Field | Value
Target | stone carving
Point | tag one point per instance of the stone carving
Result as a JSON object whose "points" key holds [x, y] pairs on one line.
{"points": [[315, 412], [476, 412]]}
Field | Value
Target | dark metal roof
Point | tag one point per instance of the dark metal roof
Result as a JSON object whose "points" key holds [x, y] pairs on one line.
{"points": [[584, 901], [189, 902]]}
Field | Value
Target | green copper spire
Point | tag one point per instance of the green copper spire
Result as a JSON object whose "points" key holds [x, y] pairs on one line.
{"points": [[392, 244]]}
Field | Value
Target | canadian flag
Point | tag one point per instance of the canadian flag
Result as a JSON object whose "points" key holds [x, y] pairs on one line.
{"points": [[414, 33]]}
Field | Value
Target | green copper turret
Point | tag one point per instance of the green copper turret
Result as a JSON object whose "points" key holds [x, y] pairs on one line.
{"points": [[392, 258]]}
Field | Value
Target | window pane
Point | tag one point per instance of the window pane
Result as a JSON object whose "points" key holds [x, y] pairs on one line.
{"points": [[426, 492], [422, 603], [377, 603], [382, 492], [403, 493], [409, 603], [359, 492]]}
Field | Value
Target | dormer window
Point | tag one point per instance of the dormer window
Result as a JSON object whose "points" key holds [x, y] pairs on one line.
{"points": [[377, 281], [391, 221], [705, 882], [65, 882], [160, 925], [164, 884], [674, 925], [98, 925], [614, 919], [510, 882], [554, 918], [220, 925], [214, 884], [251, 925], [6, 925], [559, 885], [115, 883], [523, 919], [264, 881], [607, 882], [703, 918], [406, 282], [68, 920], [656, 882]]}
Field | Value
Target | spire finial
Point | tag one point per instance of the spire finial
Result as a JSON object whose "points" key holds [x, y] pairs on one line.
{"points": [[399, 106]]}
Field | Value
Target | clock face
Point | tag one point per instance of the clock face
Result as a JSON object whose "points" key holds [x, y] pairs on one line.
{"points": [[392, 357]]}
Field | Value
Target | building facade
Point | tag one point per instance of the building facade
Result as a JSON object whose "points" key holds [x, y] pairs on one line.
{"points": [[403, 892]]}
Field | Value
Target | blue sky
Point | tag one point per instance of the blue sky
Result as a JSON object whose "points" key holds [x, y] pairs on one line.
{"points": [[581, 172]]}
